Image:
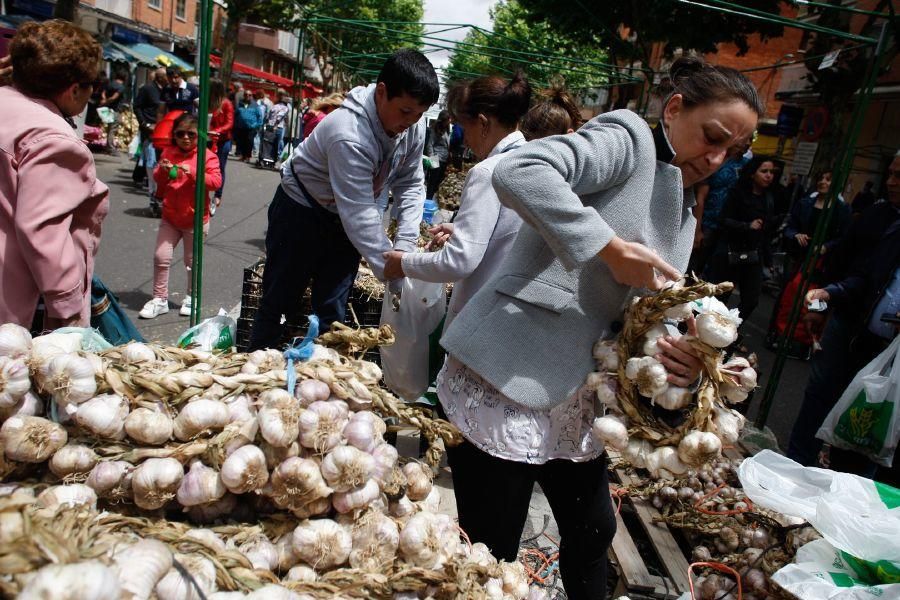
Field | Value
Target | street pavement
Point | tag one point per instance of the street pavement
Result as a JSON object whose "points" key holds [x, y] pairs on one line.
{"points": [[237, 239]]}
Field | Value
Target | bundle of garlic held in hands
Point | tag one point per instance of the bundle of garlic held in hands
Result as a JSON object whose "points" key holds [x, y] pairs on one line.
{"points": [[654, 424]]}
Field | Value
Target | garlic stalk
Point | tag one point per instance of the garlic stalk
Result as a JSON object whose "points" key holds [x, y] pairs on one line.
{"points": [[245, 470], [70, 379], [261, 553], [141, 566], [103, 416], [14, 381], [357, 498], [31, 439], [278, 417], [149, 426], [322, 425], [199, 416], [418, 480], [73, 459], [699, 447], [312, 390], [375, 542], [429, 540], [345, 468], [200, 485], [610, 431], [15, 341], [175, 586], [87, 580], [322, 543], [155, 482], [58, 496], [649, 375]]}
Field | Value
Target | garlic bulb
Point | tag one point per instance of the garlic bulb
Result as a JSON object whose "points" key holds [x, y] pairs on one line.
{"points": [[432, 502], [673, 398], [14, 381], [731, 393], [29, 405], [175, 586], [637, 451], [727, 423], [103, 416], [314, 508], [429, 540], [73, 459], [610, 431], [58, 496], [87, 580], [136, 352], [155, 482], [199, 416], [716, 325], [740, 373], [261, 553], [606, 393], [107, 478], [301, 573], [45, 347], [375, 543], [312, 390], [385, 457], [360, 497], [275, 455], [240, 409], [207, 537], [70, 379], [480, 554], [271, 591], [345, 468], [664, 463], [699, 447], [360, 433], [401, 509], [261, 361], [606, 353], [649, 375], [200, 485], [322, 425], [322, 543], [515, 581], [284, 546], [660, 330], [418, 480], [141, 566], [148, 426], [15, 341], [245, 470], [278, 417], [296, 482], [31, 439]]}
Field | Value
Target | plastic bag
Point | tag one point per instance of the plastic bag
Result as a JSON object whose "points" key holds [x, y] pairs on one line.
{"points": [[866, 418], [106, 114], [821, 572], [216, 333], [134, 146], [418, 313], [856, 515]]}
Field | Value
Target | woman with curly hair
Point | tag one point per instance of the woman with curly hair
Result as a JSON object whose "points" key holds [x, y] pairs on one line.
{"points": [[51, 203]]}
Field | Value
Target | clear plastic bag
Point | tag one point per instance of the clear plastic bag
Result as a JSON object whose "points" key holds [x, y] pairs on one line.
{"points": [[216, 333]]}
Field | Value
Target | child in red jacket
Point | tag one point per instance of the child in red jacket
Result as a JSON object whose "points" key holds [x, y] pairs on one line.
{"points": [[176, 178]]}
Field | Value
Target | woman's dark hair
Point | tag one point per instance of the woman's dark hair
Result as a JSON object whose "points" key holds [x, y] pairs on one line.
{"points": [[186, 119], [745, 179], [409, 72], [216, 92], [699, 82], [555, 114], [442, 123], [491, 96], [49, 57]]}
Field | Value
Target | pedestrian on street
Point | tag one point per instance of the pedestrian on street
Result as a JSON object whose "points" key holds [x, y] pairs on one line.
{"points": [[246, 124], [176, 178], [437, 152], [607, 209], [264, 105], [320, 109], [111, 98], [179, 94], [220, 127], [274, 128], [146, 108], [51, 203], [324, 214]]}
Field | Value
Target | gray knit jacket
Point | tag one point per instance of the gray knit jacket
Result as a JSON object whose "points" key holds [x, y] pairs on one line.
{"points": [[529, 331]]}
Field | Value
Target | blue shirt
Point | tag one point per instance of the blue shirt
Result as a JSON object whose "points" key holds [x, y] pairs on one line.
{"points": [[889, 303], [720, 183]]}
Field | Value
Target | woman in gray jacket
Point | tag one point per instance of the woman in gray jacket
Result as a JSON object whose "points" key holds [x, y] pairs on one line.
{"points": [[607, 212]]}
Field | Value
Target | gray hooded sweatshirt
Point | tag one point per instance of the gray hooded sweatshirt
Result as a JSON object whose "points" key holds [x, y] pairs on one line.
{"points": [[349, 162]]}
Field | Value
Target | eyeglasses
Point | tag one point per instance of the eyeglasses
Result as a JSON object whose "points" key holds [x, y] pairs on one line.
{"points": [[186, 134]]}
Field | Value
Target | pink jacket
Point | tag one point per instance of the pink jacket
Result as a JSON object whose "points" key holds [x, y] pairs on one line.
{"points": [[51, 208]]}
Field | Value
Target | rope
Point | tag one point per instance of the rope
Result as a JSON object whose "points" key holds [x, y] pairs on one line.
{"points": [[718, 567]]}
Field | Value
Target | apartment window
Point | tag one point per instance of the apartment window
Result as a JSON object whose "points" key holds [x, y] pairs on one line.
{"points": [[157, 4], [181, 9]]}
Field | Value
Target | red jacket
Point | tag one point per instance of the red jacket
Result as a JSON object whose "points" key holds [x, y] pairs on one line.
{"points": [[178, 193], [223, 121]]}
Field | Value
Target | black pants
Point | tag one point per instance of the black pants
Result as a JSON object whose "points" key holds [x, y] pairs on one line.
{"points": [[243, 139], [302, 244], [746, 278], [493, 495], [434, 177]]}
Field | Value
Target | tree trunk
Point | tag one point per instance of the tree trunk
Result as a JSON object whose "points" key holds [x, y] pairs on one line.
{"points": [[65, 9], [228, 46]]}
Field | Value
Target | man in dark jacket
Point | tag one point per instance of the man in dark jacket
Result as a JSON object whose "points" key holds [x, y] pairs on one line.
{"points": [[146, 109], [868, 287]]}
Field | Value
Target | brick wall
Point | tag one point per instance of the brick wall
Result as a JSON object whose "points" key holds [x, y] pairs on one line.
{"points": [[162, 14]]}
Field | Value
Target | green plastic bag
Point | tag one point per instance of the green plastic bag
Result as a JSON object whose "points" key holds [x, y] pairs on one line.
{"points": [[217, 333]]}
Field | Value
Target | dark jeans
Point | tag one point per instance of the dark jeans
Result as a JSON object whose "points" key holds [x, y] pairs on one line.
{"points": [[302, 244], [832, 369], [701, 255], [434, 177], [243, 138], [492, 499], [746, 278], [222, 151]]}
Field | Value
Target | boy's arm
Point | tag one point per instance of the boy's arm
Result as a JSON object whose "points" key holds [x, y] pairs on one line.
{"points": [[409, 197]]}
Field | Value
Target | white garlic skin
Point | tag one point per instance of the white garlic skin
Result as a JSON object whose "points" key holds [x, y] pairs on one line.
{"points": [[680, 312], [674, 398], [199, 416], [716, 329], [71, 379], [375, 542], [360, 497], [271, 591], [346, 467], [322, 425], [322, 543], [87, 580], [606, 354], [649, 375], [31, 439], [148, 426], [665, 463], [245, 470], [15, 341], [207, 537], [200, 485], [386, 457], [174, 586], [637, 452], [141, 566], [361, 434], [14, 381], [301, 573], [728, 423], [312, 390], [155, 482], [104, 416], [418, 480], [429, 540], [653, 335], [29, 405], [278, 417], [136, 352], [106, 476], [699, 447], [58, 496], [72, 459], [261, 553], [296, 482], [610, 431]]}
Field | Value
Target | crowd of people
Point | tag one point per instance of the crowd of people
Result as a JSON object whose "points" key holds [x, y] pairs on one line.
{"points": [[560, 223]]}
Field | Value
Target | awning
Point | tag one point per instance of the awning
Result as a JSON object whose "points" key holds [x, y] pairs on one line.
{"points": [[237, 67], [147, 55]]}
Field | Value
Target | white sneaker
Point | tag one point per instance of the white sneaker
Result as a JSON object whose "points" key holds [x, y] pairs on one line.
{"points": [[153, 308], [185, 310]]}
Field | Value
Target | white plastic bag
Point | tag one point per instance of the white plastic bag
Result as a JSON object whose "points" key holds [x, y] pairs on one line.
{"points": [[866, 418], [421, 307], [856, 515], [212, 334]]}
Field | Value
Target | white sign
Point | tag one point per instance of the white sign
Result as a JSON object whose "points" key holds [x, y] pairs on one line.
{"points": [[804, 154], [829, 59]]}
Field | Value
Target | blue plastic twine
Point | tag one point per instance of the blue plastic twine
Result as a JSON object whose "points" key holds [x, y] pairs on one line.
{"points": [[302, 352]]}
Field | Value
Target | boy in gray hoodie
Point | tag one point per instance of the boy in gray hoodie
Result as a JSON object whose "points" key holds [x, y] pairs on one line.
{"points": [[325, 214]]}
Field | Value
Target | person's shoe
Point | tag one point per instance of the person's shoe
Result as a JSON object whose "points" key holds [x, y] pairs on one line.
{"points": [[153, 308], [214, 205], [185, 310], [155, 208]]}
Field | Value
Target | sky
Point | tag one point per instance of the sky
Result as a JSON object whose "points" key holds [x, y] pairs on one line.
{"points": [[474, 12]]}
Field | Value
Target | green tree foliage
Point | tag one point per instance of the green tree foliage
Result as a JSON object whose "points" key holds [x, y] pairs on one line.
{"points": [[523, 40]]}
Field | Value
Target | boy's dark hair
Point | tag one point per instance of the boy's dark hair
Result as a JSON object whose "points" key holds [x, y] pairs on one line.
{"points": [[184, 119], [409, 72]]}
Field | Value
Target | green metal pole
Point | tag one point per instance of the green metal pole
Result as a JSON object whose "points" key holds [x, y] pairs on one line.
{"points": [[848, 152], [200, 198]]}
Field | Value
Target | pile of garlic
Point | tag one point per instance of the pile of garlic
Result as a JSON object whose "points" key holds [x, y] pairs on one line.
{"points": [[716, 329]]}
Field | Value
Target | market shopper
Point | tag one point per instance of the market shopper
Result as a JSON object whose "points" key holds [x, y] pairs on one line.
{"points": [[220, 127], [556, 114], [247, 121], [146, 109], [324, 214], [176, 178], [179, 94], [320, 109], [605, 215], [51, 202], [437, 152]]}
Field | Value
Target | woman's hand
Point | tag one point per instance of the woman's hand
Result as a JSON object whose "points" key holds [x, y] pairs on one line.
{"points": [[802, 239], [393, 265], [165, 163], [680, 358], [441, 234], [819, 294], [186, 169], [698, 237], [756, 225], [636, 265], [6, 70]]}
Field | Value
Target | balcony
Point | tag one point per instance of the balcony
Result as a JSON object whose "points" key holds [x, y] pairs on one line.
{"points": [[121, 8], [288, 43], [258, 37]]}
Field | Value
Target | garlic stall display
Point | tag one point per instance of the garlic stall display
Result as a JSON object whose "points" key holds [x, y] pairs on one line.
{"points": [[655, 425]]}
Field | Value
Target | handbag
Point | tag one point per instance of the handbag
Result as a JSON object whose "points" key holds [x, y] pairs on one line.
{"points": [[743, 257]]}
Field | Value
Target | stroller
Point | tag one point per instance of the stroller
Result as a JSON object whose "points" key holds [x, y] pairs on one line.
{"points": [[268, 147]]}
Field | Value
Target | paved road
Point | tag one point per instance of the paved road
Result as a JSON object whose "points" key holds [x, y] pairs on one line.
{"points": [[236, 239]]}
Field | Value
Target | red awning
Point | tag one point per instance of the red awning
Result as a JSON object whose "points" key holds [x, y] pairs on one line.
{"points": [[215, 61]]}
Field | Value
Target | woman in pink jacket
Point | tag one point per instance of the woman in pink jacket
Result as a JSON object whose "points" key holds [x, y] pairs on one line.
{"points": [[51, 203]]}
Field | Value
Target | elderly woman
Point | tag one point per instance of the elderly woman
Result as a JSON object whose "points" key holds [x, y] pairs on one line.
{"points": [[51, 203]]}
